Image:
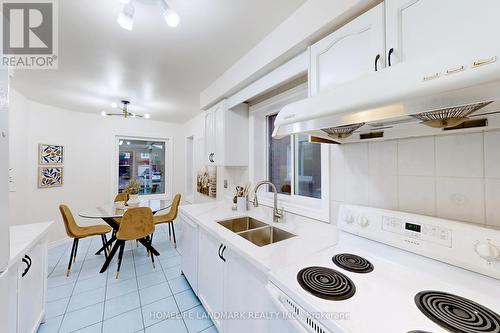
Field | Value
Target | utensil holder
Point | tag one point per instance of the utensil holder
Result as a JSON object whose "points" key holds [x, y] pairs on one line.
{"points": [[241, 204]]}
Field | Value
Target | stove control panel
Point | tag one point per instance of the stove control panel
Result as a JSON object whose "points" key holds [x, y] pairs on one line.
{"points": [[466, 245], [417, 231]]}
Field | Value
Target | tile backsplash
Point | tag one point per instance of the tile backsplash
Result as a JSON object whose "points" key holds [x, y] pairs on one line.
{"points": [[451, 176]]}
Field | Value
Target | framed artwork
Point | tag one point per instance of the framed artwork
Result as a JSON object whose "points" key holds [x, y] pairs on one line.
{"points": [[50, 176], [206, 181], [50, 154]]}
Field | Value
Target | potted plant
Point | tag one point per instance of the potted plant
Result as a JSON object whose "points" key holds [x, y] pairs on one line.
{"points": [[132, 189]]}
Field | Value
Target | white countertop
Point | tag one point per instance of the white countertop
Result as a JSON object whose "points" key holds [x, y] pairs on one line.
{"points": [[312, 235], [23, 237]]}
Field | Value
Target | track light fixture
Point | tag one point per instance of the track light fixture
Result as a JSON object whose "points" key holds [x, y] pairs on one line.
{"points": [[126, 16]]}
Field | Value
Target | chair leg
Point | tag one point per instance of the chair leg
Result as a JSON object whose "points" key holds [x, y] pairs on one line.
{"points": [[120, 257], [169, 231], [173, 233], [110, 257], [104, 241], [71, 256], [152, 255], [76, 249]]}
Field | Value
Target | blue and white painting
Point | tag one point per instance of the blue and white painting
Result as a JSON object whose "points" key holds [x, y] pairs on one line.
{"points": [[51, 154], [50, 177]]}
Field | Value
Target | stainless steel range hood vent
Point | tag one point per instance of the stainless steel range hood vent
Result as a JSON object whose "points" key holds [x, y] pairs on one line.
{"points": [[449, 117], [342, 132]]}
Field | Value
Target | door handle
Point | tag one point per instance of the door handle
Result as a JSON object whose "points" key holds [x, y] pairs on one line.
{"points": [[28, 265], [29, 259], [391, 51], [377, 58], [222, 254], [220, 248]]}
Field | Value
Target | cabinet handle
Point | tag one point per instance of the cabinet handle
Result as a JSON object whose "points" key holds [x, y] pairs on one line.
{"points": [[377, 58], [220, 248], [27, 261], [222, 254], [391, 51], [211, 157]]}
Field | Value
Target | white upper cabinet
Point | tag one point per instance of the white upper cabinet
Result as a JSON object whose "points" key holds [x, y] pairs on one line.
{"points": [[440, 28], [226, 135], [356, 49]]}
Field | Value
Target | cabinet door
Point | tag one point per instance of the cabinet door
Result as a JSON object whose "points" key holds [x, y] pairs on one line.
{"points": [[31, 286], [245, 293], [349, 52], [210, 275], [220, 141], [210, 143], [440, 29], [188, 247], [4, 169]]}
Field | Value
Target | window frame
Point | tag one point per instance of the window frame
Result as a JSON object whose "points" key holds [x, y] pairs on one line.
{"points": [[168, 164], [315, 208]]}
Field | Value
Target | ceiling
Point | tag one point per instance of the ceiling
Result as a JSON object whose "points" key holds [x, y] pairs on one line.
{"points": [[161, 70]]}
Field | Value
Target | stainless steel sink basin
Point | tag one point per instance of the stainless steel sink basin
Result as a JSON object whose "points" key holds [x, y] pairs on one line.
{"points": [[242, 224], [266, 235]]}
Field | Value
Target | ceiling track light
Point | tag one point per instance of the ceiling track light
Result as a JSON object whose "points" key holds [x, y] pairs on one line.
{"points": [[126, 17], [170, 15]]}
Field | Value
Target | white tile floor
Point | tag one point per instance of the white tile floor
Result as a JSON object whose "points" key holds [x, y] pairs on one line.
{"points": [[143, 299]]}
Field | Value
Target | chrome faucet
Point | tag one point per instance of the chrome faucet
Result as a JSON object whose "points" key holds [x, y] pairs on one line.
{"points": [[277, 213]]}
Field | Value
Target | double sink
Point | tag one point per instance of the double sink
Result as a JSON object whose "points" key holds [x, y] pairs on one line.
{"points": [[255, 231]]}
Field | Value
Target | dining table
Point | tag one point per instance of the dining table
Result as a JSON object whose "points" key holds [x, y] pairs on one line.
{"points": [[109, 213]]}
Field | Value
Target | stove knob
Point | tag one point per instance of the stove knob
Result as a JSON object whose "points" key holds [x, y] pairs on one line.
{"points": [[349, 219], [364, 221], [487, 251]]}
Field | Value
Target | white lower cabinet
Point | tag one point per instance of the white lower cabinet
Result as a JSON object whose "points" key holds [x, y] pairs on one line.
{"points": [[27, 279], [232, 290], [188, 248], [211, 276]]}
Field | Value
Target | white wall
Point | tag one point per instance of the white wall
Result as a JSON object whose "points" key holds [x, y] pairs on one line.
{"points": [[453, 176], [89, 142]]}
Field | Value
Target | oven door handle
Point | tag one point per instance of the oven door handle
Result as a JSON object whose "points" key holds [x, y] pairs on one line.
{"points": [[299, 328]]}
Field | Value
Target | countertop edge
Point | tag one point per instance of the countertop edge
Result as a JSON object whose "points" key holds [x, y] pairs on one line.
{"points": [[42, 230]]}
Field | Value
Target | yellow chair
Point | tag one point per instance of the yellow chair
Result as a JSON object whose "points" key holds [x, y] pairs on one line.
{"points": [[170, 217], [136, 223], [73, 230], [121, 197]]}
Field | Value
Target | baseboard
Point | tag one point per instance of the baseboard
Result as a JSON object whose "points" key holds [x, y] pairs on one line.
{"points": [[59, 242]]}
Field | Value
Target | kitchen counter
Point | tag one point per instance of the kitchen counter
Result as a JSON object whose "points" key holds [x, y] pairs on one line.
{"points": [[311, 235], [23, 237]]}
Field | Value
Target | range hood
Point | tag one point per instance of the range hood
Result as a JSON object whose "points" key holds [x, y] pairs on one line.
{"points": [[413, 98]]}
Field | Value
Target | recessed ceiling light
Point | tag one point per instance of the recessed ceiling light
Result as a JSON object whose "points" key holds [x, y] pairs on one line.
{"points": [[121, 142], [114, 105], [128, 143], [147, 116], [126, 17], [103, 113]]}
